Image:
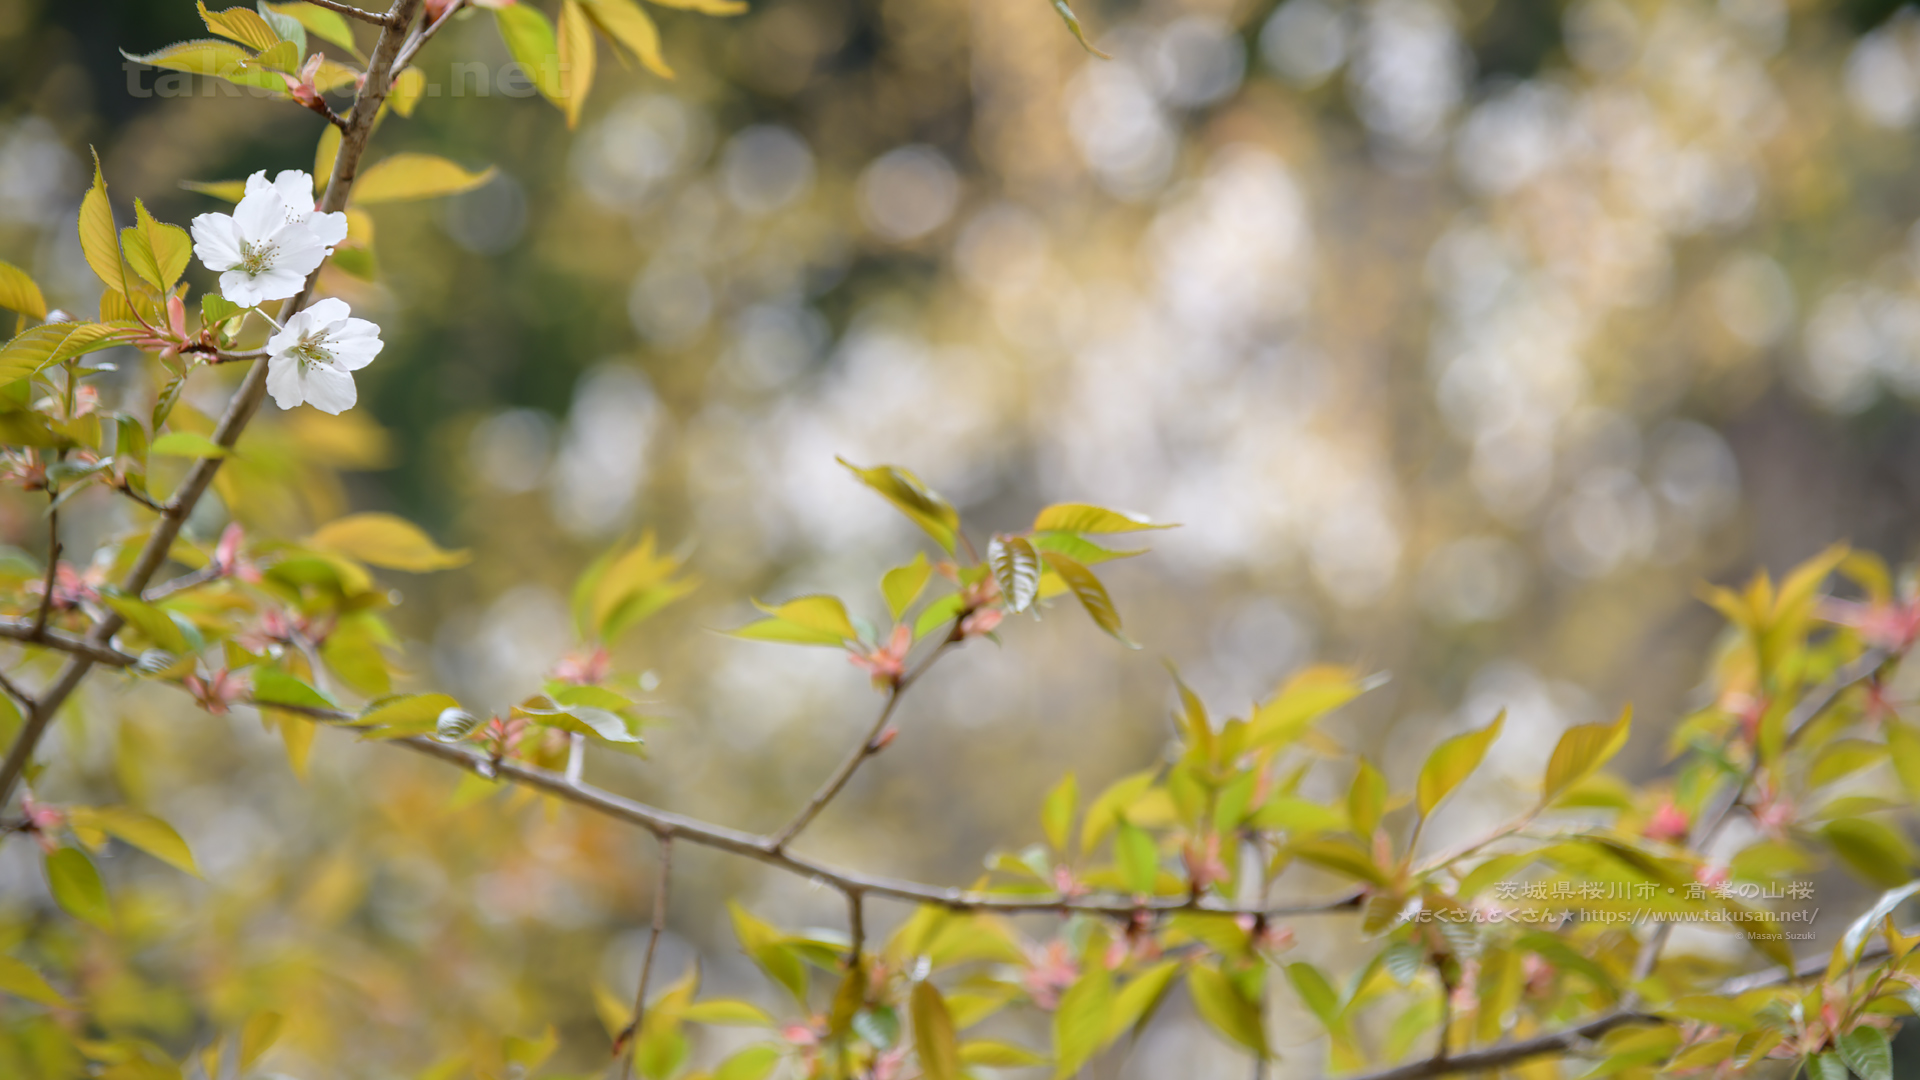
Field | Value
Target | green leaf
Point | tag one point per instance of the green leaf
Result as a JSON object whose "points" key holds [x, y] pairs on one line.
{"points": [[936, 615], [618, 595], [1091, 594], [152, 623], [1221, 1004], [920, 504], [99, 237], [1826, 1065], [1452, 761], [1084, 1021], [753, 1063], [273, 686], [1581, 751], [576, 59], [405, 714], [1307, 696], [586, 720], [1136, 1001], [406, 176], [706, 7], [767, 947], [624, 23], [902, 585], [216, 309], [1081, 518], [54, 343], [530, 38], [226, 190], [19, 293], [186, 444], [806, 620], [997, 1054], [144, 831], [1872, 850], [326, 25], [1080, 549], [933, 1034], [219, 59], [1056, 814], [388, 541], [1366, 798], [1017, 568], [76, 886], [730, 1011], [1868, 923], [1339, 855], [880, 1026], [1073, 26], [1137, 857], [289, 29], [22, 981], [1904, 742], [1866, 1052], [242, 25], [165, 249]]}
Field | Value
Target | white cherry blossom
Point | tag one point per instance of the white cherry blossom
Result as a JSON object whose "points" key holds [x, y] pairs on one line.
{"points": [[311, 358], [266, 248]]}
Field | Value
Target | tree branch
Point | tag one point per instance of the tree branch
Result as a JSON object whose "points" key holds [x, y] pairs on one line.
{"points": [[630, 1037], [13, 691], [867, 748], [22, 630], [240, 410], [387, 20], [425, 34], [53, 570]]}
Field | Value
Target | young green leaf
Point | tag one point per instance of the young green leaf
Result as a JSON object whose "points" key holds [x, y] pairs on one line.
{"points": [[388, 541], [1867, 1053], [242, 25], [1366, 798], [625, 24], [530, 38], [1581, 752], [576, 59], [752, 1063], [328, 26], [19, 293], [1056, 815], [1453, 760], [902, 585], [406, 176], [1017, 568], [152, 623], [807, 620], [1135, 1002], [77, 887], [1091, 594], [186, 444], [1081, 518], [52, 343], [934, 1039], [22, 981], [99, 237], [144, 831], [1084, 1021], [1073, 26], [767, 947], [1137, 857], [912, 498], [1221, 1004]]}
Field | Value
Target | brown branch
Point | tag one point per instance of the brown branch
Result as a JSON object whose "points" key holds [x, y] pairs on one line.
{"points": [[243, 406], [23, 631], [759, 848], [53, 570], [867, 748], [425, 34], [205, 575], [376, 18], [630, 1037], [13, 691], [856, 927]]}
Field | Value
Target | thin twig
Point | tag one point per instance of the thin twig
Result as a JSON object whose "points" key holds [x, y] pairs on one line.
{"points": [[759, 849], [631, 1036], [425, 34], [13, 691], [243, 405], [374, 17], [867, 748], [856, 927], [53, 570], [204, 575], [22, 630]]}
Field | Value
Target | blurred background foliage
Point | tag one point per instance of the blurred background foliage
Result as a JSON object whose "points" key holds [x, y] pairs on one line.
{"points": [[1465, 339]]}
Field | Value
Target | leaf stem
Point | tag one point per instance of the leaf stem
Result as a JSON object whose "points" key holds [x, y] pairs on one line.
{"points": [[630, 1037]]}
